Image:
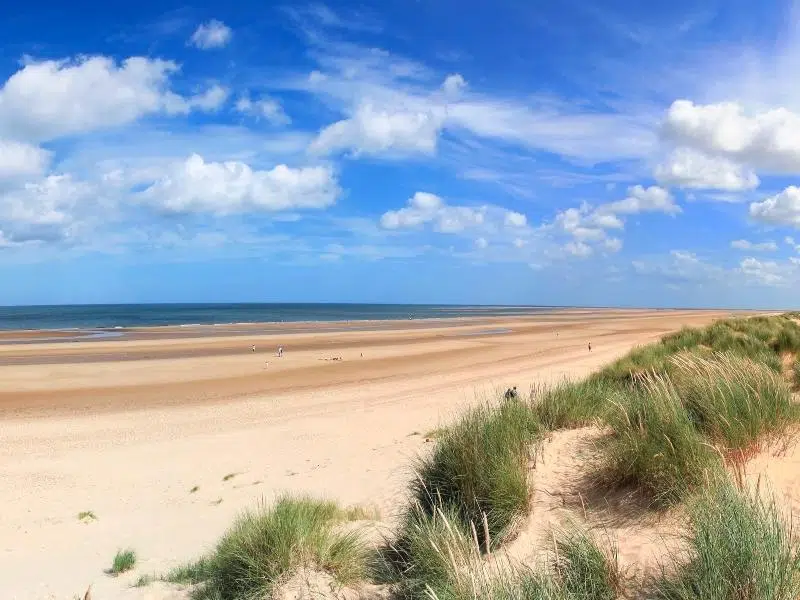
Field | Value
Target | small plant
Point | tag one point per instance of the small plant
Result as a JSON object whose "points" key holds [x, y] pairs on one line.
{"points": [[229, 476], [143, 581], [479, 469], [739, 547], [194, 489], [584, 569], [87, 515], [124, 560], [266, 545]]}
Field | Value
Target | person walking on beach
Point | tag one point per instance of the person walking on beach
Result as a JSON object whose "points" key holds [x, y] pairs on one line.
{"points": [[511, 393], [590, 346], [254, 347], [280, 351]]}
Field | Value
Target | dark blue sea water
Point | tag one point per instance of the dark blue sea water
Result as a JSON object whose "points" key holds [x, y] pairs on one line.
{"points": [[107, 316]]}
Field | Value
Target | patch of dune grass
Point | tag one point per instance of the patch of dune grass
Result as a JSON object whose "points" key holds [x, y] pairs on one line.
{"points": [[740, 547], [143, 581], [733, 400], [190, 573], [571, 404], [654, 445], [479, 469], [124, 560], [584, 569], [435, 556], [264, 546]]}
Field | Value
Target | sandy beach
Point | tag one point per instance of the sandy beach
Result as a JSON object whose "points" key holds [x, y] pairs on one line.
{"points": [[128, 427]]}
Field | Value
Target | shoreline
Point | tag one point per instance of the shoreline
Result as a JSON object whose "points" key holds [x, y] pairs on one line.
{"points": [[192, 330]]}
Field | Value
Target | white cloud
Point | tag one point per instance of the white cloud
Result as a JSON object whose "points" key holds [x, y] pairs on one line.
{"points": [[519, 243], [765, 272], [213, 34], [640, 200], [211, 99], [791, 242], [46, 210], [515, 219], [374, 131], [613, 244], [748, 245], [578, 249], [481, 243], [267, 108], [768, 140], [48, 99], [686, 168], [18, 159], [454, 84], [680, 266], [233, 187], [424, 208], [780, 209]]}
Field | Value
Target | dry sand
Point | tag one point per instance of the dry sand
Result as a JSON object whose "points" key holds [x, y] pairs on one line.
{"points": [[126, 428]]}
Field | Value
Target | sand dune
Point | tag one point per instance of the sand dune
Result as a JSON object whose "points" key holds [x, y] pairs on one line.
{"points": [[126, 428]]}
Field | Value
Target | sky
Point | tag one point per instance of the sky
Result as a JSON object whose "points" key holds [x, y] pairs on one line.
{"points": [[607, 153]]}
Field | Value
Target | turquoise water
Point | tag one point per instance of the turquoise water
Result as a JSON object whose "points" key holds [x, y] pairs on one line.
{"points": [[109, 316]]}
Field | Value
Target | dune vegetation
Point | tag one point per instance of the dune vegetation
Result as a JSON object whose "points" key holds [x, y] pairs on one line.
{"points": [[675, 419]]}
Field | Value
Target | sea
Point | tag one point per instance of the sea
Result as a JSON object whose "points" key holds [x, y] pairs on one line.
{"points": [[120, 316]]}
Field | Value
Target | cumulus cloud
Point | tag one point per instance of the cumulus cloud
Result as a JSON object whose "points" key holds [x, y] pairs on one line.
{"points": [[587, 225], [18, 159], [213, 34], [454, 84], [765, 272], [515, 219], [48, 99], [680, 266], [641, 200], [233, 187], [748, 245], [481, 243], [46, 210], [768, 140], [780, 209], [373, 131], [424, 208], [686, 168], [266, 108]]}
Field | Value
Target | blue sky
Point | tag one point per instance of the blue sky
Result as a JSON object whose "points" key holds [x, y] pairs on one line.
{"points": [[526, 152]]}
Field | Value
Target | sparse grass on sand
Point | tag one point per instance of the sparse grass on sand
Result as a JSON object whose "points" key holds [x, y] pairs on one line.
{"points": [[267, 545], [124, 560], [740, 547], [144, 581], [87, 515], [479, 469], [436, 557], [571, 404]]}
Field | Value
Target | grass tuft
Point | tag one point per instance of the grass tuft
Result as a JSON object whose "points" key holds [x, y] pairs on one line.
{"points": [[124, 560], [571, 404], [740, 547], [733, 400], [479, 470], [584, 569], [655, 446], [87, 515], [267, 545], [190, 573]]}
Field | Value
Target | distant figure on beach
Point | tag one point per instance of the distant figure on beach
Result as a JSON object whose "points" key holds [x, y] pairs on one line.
{"points": [[590, 346], [280, 351], [254, 347], [511, 393]]}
